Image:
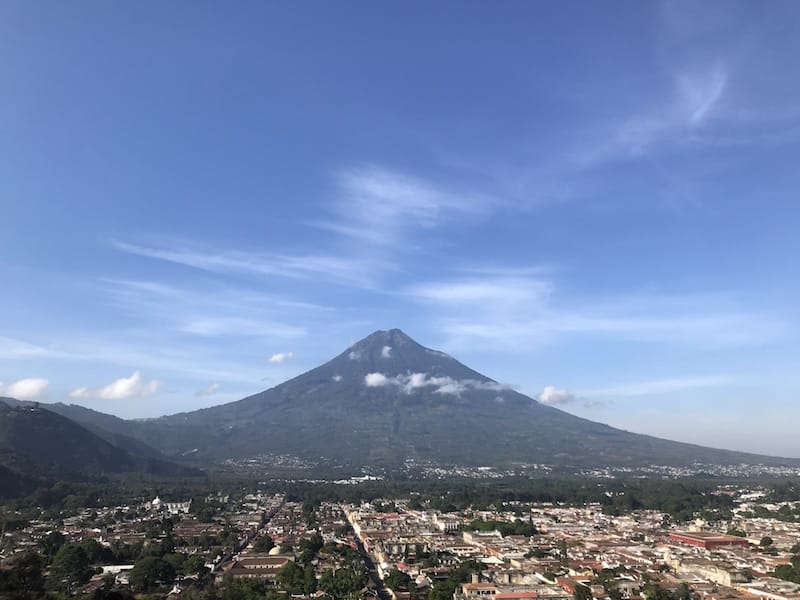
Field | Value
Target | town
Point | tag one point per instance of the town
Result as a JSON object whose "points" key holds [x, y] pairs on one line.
{"points": [[266, 544]]}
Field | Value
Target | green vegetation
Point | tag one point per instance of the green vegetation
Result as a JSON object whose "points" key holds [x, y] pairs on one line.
{"points": [[398, 581], [150, 573], [652, 591], [790, 514], [681, 499], [33, 438], [25, 578], [514, 528], [309, 548], [608, 579], [582, 592], [443, 590], [70, 569], [263, 544], [790, 572]]}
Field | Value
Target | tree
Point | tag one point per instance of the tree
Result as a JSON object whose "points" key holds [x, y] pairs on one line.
{"points": [[444, 590], [582, 592], [51, 543], [397, 580], [176, 560], [25, 577], [149, 572], [766, 542], [309, 580], [70, 568], [95, 551], [194, 565], [310, 547], [684, 592], [263, 544], [290, 578]]}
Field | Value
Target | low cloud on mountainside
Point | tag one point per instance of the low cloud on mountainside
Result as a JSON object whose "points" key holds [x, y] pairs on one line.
{"points": [[553, 396], [442, 385]]}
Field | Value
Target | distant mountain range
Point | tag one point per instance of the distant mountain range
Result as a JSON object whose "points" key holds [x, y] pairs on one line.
{"points": [[386, 400]]}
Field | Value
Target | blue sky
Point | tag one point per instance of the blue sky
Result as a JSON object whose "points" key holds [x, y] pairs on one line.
{"points": [[595, 203]]}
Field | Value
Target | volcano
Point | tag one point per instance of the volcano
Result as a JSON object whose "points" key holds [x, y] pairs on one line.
{"points": [[386, 400]]}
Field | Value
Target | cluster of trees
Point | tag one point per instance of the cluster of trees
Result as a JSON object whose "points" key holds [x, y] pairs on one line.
{"points": [[397, 581], [444, 590], [297, 579], [514, 528], [309, 548], [652, 591], [24, 579], [608, 579], [682, 499], [159, 565], [347, 581], [790, 572], [263, 544], [784, 513], [71, 565]]}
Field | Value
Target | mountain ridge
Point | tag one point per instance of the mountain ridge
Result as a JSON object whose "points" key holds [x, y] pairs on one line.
{"points": [[36, 443], [387, 399]]}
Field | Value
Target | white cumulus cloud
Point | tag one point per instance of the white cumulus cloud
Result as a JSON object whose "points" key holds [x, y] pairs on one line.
{"points": [[25, 389], [123, 388], [281, 357], [337, 378], [80, 393], [386, 352], [553, 396], [376, 380], [129, 387]]}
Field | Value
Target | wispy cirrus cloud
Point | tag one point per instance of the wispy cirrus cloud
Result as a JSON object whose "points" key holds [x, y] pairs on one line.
{"points": [[353, 271], [662, 386], [527, 311], [210, 390], [693, 100], [12, 348], [492, 290], [379, 205], [216, 326], [212, 311]]}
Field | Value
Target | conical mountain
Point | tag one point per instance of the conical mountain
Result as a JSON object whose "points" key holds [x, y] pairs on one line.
{"points": [[387, 399]]}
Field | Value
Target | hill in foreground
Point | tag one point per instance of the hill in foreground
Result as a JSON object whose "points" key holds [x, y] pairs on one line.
{"points": [[37, 443]]}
